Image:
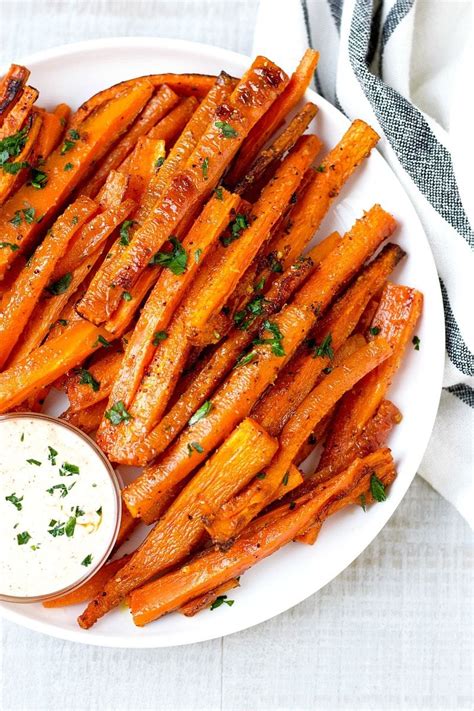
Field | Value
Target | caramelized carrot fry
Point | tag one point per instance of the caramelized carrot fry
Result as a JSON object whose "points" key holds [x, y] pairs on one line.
{"points": [[398, 313], [208, 570], [172, 125], [301, 373], [219, 364], [9, 183], [18, 115], [180, 529], [19, 303], [86, 387], [51, 132], [46, 363], [285, 141], [100, 130], [131, 300], [91, 587], [87, 419], [192, 607], [270, 122], [162, 302], [11, 88], [257, 90], [160, 103], [238, 512], [113, 192], [235, 398]]}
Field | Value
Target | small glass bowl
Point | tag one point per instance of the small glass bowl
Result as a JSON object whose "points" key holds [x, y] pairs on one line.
{"points": [[118, 508]]}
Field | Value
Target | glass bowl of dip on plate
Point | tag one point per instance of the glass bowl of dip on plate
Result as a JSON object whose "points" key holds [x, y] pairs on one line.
{"points": [[59, 507]]}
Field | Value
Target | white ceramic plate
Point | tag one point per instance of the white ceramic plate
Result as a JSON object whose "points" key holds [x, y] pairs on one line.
{"points": [[75, 72]]}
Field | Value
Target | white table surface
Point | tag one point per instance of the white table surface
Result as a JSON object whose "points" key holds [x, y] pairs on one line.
{"points": [[394, 631]]}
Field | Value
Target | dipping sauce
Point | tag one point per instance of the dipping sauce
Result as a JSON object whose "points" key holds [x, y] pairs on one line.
{"points": [[59, 506]]}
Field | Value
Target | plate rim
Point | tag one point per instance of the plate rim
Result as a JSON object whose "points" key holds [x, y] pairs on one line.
{"points": [[96, 637]]}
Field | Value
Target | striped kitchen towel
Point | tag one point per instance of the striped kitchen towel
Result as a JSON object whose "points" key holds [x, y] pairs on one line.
{"points": [[396, 64]]}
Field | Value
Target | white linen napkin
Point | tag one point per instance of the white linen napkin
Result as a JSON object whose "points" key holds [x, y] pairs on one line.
{"points": [[398, 64]]}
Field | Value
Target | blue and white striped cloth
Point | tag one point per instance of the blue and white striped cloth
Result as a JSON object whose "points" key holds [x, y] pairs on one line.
{"points": [[396, 63]]}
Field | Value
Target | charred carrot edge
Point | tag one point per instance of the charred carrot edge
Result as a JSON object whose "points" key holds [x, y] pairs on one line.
{"points": [[243, 454], [160, 103], [46, 363], [91, 587], [101, 129], [238, 512], [162, 302], [398, 313], [206, 571], [264, 81], [11, 88], [48, 310], [87, 419], [9, 183], [301, 373], [19, 303], [192, 607], [270, 122], [19, 114], [245, 384], [285, 141], [204, 382]]}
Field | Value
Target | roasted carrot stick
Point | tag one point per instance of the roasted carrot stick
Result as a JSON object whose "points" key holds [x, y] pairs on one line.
{"points": [[19, 114], [11, 88], [285, 141], [172, 125], [25, 292], [206, 571], [86, 386], [243, 454], [199, 603], [257, 90], [87, 419], [89, 589], [46, 363], [164, 299], [221, 362], [52, 129], [160, 103], [246, 383], [113, 192], [100, 130], [398, 313], [270, 122], [301, 373], [9, 181], [239, 511]]}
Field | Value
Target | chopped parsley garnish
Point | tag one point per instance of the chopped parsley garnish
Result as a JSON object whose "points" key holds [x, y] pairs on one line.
{"points": [[159, 336], [38, 179], [99, 511], [62, 488], [363, 502], [175, 261], [87, 560], [12, 146], [125, 232], [261, 475], [70, 142], [126, 296], [118, 413], [244, 359], [15, 500], [203, 411], [219, 193], [205, 168], [52, 454], [243, 319], [197, 255], [220, 601], [75, 220], [68, 166], [14, 168], [22, 438], [236, 228], [23, 538], [321, 169], [377, 488], [275, 342], [194, 446], [227, 131], [274, 264], [324, 349], [60, 285], [374, 331], [101, 341], [10, 245], [159, 162], [34, 461], [416, 342], [28, 215], [260, 284], [67, 469], [285, 479], [35, 547], [86, 378]]}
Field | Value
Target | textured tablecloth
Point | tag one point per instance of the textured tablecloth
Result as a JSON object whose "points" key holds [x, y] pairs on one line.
{"points": [[394, 631]]}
